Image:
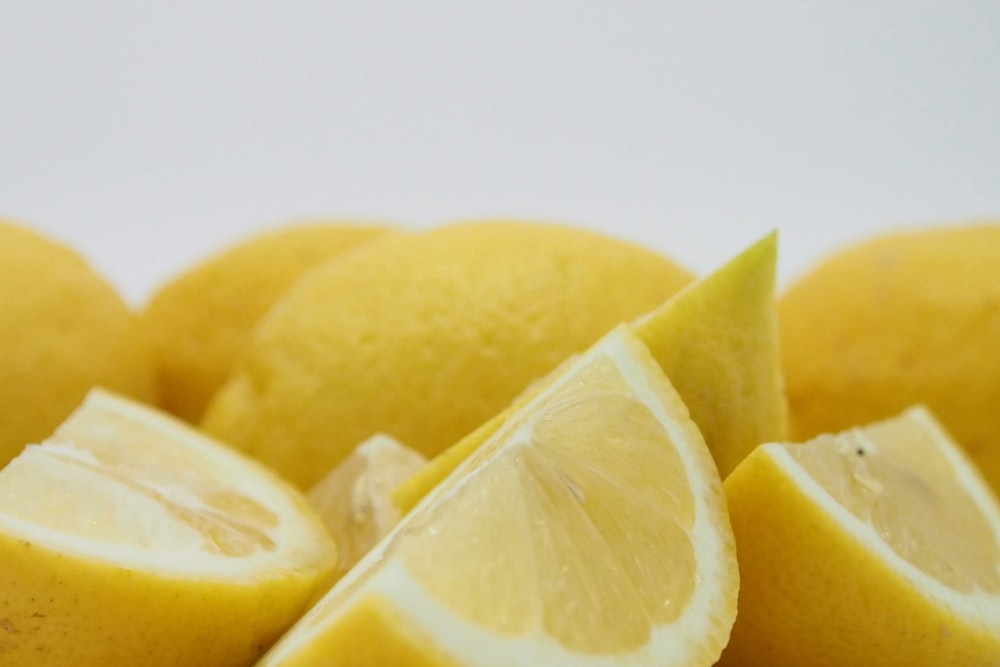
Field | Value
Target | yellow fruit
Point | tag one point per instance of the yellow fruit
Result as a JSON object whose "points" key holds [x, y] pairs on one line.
{"points": [[63, 330], [878, 546], [905, 318], [425, 336], [201, 320], [717, 341], [354, 499], [590, 529], [129, 539]]}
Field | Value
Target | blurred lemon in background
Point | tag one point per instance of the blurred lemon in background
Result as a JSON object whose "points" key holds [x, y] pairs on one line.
{"points": [[64, 330], [910, 317], [200, 320], [425, 336]]}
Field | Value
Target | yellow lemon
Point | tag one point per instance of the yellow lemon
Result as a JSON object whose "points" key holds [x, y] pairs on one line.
{"points": [[201, 320], [589, 529], [904, 318], [425, 336], [129, 539], [63, 330], [355, 498], [877, 546], [717, 341]]}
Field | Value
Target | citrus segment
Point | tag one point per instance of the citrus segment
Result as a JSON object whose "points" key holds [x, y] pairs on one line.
{"points": [[354, 498], [879, 545], [589, 529], [128, 538]]}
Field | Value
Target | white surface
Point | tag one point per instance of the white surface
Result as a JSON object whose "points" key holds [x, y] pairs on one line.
{"points": [[147, 136]]}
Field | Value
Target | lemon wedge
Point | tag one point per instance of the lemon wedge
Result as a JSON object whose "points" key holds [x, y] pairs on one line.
{"points": [[590, 528], [129, 539], [876, 546]]}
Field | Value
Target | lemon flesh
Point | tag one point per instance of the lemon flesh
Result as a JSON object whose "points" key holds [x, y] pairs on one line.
{"points": [[879, 545], [888, 476], [127, 538], [589, 527], [354, 499]]}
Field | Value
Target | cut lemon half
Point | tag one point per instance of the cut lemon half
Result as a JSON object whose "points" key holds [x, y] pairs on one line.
{"points": [[129, 539], [354, 499], [590, 529], [877, 546]]}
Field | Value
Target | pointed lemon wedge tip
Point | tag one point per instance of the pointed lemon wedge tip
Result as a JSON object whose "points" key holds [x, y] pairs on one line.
{"points": [[876, 546], [589, 528], [129, 538], [717, 341]]}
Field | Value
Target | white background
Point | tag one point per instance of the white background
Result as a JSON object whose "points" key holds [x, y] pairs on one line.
{"points": [[149, 134]]}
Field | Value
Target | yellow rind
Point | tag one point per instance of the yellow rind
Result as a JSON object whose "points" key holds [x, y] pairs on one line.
{"points": [[348, 643], [60, 610]]}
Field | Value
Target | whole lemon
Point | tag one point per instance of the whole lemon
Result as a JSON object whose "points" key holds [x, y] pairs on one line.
{"points": [[909, 317], [64, 330], [425, 336], [200, 320]]}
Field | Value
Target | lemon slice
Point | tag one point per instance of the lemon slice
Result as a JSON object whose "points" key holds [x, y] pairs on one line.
{"points": [[354, 499], [129, 539], [877, 546], [590, 529]]}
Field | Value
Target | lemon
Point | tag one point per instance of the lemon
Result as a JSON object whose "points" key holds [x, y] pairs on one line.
{"points": [[904, 318], [201, 320], [354, 499], [64, 330], [130, 539], [717, 340], [425, 336], [589, 529], [877, 546]]}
